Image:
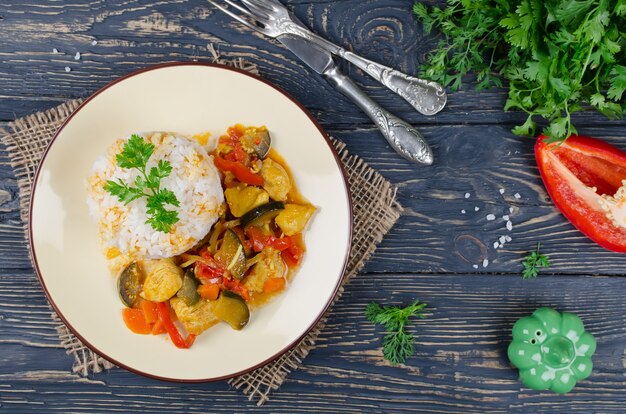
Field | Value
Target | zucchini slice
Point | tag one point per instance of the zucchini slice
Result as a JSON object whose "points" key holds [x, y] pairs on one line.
{"points": [[188, 292], [258, 139], [129, 284], [232, 309], [261, 214], [232, 254]]}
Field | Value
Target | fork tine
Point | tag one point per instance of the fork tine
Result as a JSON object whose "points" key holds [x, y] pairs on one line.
{"points": [[274, 5], [260, 12], [235, 5], [259, 4], [236, 16]]}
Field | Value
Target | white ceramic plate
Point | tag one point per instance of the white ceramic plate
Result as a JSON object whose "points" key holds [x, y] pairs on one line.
{"points": [[186, 98]]}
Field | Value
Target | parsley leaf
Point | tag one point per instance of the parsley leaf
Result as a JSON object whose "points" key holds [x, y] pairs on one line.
{"points": [[123, 192], [556, 57], [397, 343], [135, 155], [533, 262]]}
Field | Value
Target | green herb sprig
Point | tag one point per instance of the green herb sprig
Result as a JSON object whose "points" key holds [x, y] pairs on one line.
{"points": [[557, 56], [135, 155], [533, 261], [398, 343]]}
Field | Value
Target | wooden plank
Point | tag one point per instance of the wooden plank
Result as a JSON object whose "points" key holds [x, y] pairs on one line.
{"points": [[460, 362], [133, 35], [433, 235]]}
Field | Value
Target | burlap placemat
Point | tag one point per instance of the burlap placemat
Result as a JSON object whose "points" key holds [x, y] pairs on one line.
{"points": [[374, 207]]}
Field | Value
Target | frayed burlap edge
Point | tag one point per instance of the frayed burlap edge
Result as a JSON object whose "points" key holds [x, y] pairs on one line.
{"points": [[375, 210]]}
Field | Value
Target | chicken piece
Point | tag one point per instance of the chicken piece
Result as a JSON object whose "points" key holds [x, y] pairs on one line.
{"points": [[196, 318], [294, 217], [271, 265], [242, 199], [163, 279], [277, 181]]}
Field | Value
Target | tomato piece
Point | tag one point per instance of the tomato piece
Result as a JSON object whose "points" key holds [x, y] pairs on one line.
{"points": [[210, 269], [261, 240], [237, 154], [241, 172], [570, 171], [236, 131], [293, 255], [235, 285], [280, 244], [136, 321], [256, 237]]}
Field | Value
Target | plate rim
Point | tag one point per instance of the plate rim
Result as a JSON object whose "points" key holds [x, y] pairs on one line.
{"points": [[282, 351]]}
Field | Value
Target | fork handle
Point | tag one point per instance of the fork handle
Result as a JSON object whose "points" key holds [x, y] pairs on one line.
{"points": [[427, 97], [406, 140]]}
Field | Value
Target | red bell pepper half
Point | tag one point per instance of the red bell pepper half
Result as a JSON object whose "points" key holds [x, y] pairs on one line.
{"points": [[583, 177]]}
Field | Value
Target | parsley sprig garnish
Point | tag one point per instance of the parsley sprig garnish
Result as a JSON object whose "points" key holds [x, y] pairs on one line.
{"points": [[533, 262], [556, 55], [397, 343], [135, 155]]}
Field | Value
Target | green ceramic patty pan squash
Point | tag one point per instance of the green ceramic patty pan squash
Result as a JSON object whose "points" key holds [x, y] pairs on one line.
{"points": [[551, 350]]}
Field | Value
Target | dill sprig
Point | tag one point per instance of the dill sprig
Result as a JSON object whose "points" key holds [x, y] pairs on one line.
{"points": [[398, 344]]}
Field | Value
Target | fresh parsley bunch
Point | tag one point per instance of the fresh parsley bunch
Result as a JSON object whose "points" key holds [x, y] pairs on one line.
{"points": [[135, 155], [557, 56], [397, 343]]}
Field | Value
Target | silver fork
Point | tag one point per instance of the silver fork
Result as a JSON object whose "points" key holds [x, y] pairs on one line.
{"points": [[273, 19]]}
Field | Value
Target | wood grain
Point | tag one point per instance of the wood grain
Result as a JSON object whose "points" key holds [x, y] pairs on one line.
{"points": [[136, 34], [460, 363], [433, 235]]}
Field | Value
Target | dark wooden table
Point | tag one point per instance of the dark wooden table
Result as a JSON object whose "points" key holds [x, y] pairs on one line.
{"points": [[460, 363]]}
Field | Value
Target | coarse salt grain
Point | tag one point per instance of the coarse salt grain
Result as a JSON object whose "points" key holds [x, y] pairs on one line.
{"points": [[511, 209], [467, 195], [68, 69], [462, 211], [509, 225], [495, 245], [485, 262], [491, 217], [94, 42], [505, 218], [476, 208], [517, 195], [501, 191], [55, 50], [77, 56], [508, 238], [475, 266], [502, 239]]}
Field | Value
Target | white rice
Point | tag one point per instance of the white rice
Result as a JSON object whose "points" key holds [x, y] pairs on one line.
{"points": [[124, 233]]}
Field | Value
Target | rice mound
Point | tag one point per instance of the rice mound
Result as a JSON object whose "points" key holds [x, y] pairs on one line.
{"points": [[124, 233]]}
